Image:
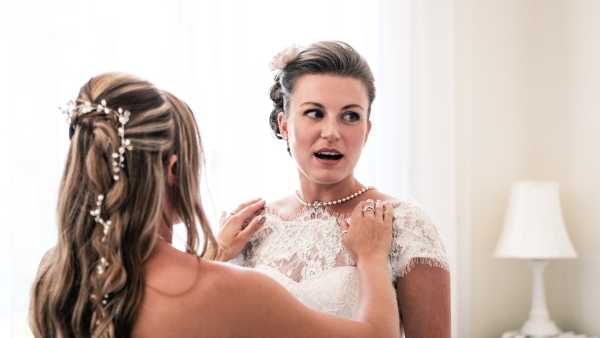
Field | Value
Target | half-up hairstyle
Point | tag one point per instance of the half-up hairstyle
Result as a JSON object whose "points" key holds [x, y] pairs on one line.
{"points": [[70, 297], [325, 57]]}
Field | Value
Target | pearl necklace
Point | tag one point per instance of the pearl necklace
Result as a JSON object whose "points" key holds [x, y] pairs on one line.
{"points": [[318, 204]]}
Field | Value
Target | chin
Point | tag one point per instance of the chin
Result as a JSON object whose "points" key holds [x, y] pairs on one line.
{"points": [[325, 174], [327, 178]]}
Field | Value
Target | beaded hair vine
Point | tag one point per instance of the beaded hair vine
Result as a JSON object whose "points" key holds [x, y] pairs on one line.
{"points": [[75, 109]]}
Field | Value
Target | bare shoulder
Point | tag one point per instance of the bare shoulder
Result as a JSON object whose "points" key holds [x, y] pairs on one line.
{"points": [[246, 288], [181, 288], [233, 282], [212, 283], [227, 277], [245, 297]]}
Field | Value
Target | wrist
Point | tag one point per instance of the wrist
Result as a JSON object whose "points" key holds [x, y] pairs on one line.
{"points": [[223, 253], [373, 259], [214, 252]]}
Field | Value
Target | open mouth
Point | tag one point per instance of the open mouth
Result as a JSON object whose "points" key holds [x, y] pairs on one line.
{"points": [[329, 155]]}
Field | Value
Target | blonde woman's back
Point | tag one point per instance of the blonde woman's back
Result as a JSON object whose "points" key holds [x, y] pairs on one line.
{"points": [[182, 296], [189, 297]]}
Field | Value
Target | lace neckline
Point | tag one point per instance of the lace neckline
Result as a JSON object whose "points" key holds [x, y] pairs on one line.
{"points": [[310, 213], [307, 243]]}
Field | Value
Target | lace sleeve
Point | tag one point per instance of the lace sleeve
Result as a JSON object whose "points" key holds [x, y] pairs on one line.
{"points": [[415, 240]]}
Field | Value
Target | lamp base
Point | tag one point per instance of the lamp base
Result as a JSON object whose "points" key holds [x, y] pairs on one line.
{"points": [[517, 334], [539, 323], [540, 327]]}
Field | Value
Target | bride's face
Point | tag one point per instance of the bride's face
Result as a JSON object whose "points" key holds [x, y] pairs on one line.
{"points": [[327, 126]]}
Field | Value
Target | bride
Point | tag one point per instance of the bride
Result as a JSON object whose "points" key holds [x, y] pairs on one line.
{"points": [[322, 99]]}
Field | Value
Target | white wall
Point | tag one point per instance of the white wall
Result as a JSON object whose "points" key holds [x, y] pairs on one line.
{"points": [[432, 127], [490, 144], [527, 108], [574, 147]]}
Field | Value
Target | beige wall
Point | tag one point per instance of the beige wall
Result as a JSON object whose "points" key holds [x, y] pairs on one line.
{"points": [[576, 300], [528, 107]]}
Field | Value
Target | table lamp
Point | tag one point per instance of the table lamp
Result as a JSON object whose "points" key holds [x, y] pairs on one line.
{"points": [[534, 229]]}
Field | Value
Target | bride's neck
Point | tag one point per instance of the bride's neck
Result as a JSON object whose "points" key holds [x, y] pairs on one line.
{"points": [[311, 191]]}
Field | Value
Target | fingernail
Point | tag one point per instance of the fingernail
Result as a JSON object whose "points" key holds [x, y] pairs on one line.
{"points": [[262, 220]]}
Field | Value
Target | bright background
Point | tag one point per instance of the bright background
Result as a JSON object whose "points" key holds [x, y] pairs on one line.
{"points": [[472, 96], [215, 55]]}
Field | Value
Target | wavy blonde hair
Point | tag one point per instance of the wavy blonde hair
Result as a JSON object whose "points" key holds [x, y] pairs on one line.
{"points": [[64, 296]]}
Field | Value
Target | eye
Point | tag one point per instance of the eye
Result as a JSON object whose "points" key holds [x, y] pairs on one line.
{"points": [[314, 113], [351, 116]]}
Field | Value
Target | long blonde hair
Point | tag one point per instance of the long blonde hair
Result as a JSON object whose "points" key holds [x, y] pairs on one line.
{"points": [[65, 301]]}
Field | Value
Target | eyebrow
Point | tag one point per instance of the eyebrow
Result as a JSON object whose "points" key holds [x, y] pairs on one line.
{"points": [[353, 105]]}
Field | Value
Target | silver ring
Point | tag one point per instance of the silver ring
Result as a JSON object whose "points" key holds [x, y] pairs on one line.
{"points": [[368, 208], [344, 232]]}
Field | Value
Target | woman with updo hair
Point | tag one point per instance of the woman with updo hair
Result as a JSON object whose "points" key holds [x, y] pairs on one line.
{"points": [[322, 98], [132, 171]]}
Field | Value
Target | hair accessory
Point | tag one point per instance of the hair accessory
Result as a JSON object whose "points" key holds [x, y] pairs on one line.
{"points": [[72, 111], [96, 213], [106, 225], [284, 57], [75, 109]]}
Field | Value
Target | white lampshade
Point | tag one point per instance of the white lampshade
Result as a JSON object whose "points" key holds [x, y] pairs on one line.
{"points": [[534, 227]]}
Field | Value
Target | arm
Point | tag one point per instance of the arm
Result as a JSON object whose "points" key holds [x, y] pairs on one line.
{"points": [[424, 302], [420, 269], [270, 311]]}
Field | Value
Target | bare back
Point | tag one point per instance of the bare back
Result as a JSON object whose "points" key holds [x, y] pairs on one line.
{"points": [[182, 297], [190, 297]]}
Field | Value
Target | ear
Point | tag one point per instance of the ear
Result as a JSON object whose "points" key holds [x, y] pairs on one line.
{"points": [[172, 170], [368, 131], [283, 125]]}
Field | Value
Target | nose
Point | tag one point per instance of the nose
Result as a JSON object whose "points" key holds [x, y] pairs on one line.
{"points": [[329, 130]]}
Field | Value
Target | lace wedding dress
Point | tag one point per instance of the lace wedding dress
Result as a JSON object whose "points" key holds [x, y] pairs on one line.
{"points": [[305, 254]]}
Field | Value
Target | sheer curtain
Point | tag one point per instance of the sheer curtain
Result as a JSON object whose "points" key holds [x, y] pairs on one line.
{"points": [[212, 54]]}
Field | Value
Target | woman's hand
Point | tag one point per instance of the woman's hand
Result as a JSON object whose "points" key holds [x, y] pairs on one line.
{"points": [[238, 227], [369, 232]]}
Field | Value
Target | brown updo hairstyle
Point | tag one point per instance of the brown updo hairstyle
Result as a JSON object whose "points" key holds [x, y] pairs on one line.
{"points": [[324, 57], [67, 296]]}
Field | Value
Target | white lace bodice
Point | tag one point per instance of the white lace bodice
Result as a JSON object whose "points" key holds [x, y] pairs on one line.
{"points": [[305, 254]]}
